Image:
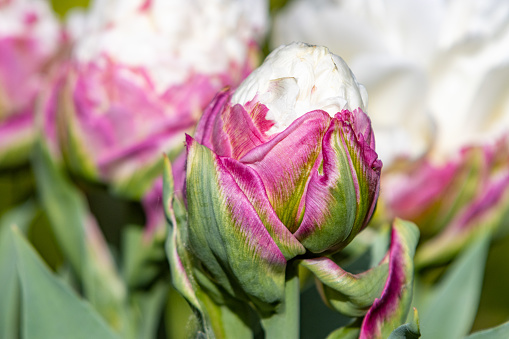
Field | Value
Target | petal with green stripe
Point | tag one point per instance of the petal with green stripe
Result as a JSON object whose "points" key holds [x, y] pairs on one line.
{"points": [[285, 163], [340, 198], [252, 186]]}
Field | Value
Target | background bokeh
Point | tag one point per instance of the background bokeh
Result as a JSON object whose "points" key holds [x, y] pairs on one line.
{"points": [[112, 212]]}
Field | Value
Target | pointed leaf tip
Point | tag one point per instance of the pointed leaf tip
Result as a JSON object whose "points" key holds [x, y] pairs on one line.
{"points": [[189, 140]]}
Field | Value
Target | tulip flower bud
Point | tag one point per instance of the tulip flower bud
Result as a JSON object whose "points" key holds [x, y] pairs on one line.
{"points": [[29, 36], [140, 75], [284, 166]]}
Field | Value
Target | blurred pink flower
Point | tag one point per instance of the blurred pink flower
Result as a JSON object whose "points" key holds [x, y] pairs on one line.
{"points": [[140, 75], [29, 39], [452, 202]]}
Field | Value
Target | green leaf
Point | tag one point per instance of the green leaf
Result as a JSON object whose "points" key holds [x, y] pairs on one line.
{"points": [[391, 310], [150, 305], [406, 331], [50, 309], [20, 216], [450, 310], [344, 333], [142, 256], [353, 294], [64, 206], [499, 332], [178, 258], [349, 294], [9, 301], [81, 241]]}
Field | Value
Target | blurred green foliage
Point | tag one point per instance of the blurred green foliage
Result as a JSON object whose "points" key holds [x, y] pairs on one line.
{"points": [[17, 185], [277, 4], [493, 307], [62, 6]]}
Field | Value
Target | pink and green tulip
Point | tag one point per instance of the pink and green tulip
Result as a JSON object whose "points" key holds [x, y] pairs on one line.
{"points": [[113, 127], [452, 202], [135, 85], [487, 211], [29, 40], [257, 198]]}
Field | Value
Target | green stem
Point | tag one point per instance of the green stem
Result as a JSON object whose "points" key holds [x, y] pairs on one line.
{"points": [[285, 323]]}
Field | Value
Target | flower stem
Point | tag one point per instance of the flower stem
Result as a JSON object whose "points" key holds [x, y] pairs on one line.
{"points": [[285, 324]]}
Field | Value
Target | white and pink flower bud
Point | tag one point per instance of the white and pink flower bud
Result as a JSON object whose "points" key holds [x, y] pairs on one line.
{"points": [[283, 166]]}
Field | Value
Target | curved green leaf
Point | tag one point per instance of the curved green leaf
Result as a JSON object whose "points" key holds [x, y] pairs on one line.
{"points": [[9, 300], [345, 333], [347, 293], [391, 309], [354, 294], [451, 308], [65, 207], [51, 310], [81, 240], [499, 332]]}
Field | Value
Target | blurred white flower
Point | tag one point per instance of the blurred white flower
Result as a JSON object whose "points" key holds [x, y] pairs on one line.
{"points": [[447, 60], [171, 39]]}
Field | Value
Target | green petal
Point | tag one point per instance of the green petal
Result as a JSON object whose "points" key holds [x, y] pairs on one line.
{"points": [[225, 320], [76, 155], [226, 234]]}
